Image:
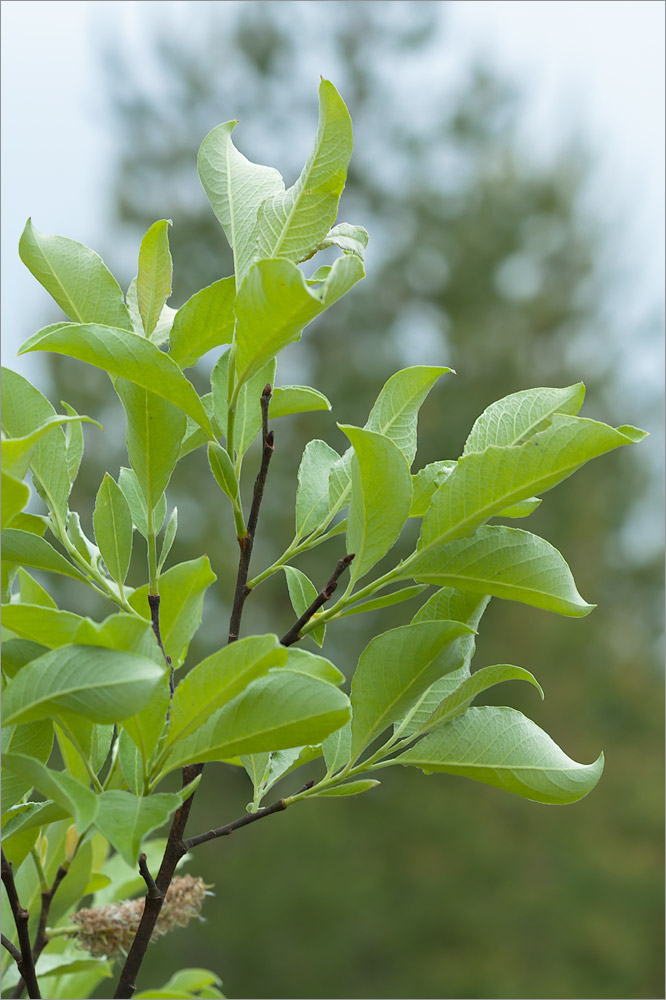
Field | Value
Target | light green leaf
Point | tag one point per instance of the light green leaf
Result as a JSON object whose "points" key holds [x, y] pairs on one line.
{"points": [[155, 430], [235, 188], [125, 820], [145, 727], [182, 590], [504, 562], [484, 483], [80, 540], [289, 399], [350, 239], [292, 223], [394, 669], [162, 329], [153, 283], [248, 415], [27, 816], [34, 739], [518, 417], [112, 521], [220, 678], [61, 964], [523, 508], [32, 592], [120, 631], [500, 747], [73, 442], [304, 662], [395, 413], [376, 603], [36, 524], [131, 763], [223, 470], [376, 515], [127, 355], [17, 652], [15, 496], [337, 749], [16, 451], [169, 538], [48, 626], [350, 788], [425, 483], [302, 593], [205, 321], [75, 277], [23, 548], [274, 304], [280, 710], [256, 768], [65, 791], [459, 700], [283, 762], [186, 982], [312, 495], [133, 493], [103, 684]]}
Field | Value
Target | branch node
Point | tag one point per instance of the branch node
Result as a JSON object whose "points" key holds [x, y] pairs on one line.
{"points": [[294, 633]]}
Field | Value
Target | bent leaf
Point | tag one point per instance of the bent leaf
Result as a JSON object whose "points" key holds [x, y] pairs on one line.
{"points": [[459, 700]]}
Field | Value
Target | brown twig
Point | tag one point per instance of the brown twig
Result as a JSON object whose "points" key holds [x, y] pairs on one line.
{"points": [[42, 938], [247, 541], [153, 891], [11, 948], [293, 635], [225, 831], [154, 604], [25, 964]]}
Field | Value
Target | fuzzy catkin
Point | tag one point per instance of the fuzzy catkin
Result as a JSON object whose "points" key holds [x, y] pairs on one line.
{"points": [[108, 931]]}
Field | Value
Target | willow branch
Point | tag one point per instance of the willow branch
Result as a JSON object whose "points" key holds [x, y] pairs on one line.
{"points": [[293, 635], [25, 963], [225, 831], [154, 604]]}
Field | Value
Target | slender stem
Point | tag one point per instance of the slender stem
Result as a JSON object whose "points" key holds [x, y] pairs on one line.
{"points": [[294, 633], [153, 891], [246, 542], [25, 965], [154, 605], [11, 948], [225, 831], [295, 548]]}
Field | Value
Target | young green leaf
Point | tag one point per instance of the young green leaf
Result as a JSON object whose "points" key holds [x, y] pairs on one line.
{"points": [[23, 548], [395, 413], [288, 399], [126, 820], [394, 669], [73, 443], [145, 727], [113, 528], [133, 493], [500, 747], [127, 355], [350, 788], [504, 562], [425, 484], [104, 685], [350, 239], [153, 282], [523, 508], [376, 514], [15, 496], [76, 799], [131, 763], [17, 451], [182, 590], [292, 223], [75, 277], [169, 538], [302, 593], [518, 417], [312, 495], [376, 603], [48, 626], [337, 749], [459, 700], [32, 592], [205, 321]]}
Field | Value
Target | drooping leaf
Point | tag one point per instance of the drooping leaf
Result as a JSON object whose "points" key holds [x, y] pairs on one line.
{"points": [[75, 277], [504, 562], [35, 739], [302, 593], [102, 684], [48, 626], [153, 282], [127, 355], [112, 521], [182, 590], [518, 417], [76, 799], [23, 548], [220, 678], [394, 669], [459, 700], [126, 820], [205, 321], [376, 515], [395, 413], [292, 223], [500, 747], [312, 495], [288, 399]]}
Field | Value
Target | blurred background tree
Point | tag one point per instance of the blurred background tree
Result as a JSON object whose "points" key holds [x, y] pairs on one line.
{"points": [[482, 259]]}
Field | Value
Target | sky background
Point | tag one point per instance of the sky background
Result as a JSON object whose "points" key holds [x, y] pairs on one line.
{"points": [[587, 68]]}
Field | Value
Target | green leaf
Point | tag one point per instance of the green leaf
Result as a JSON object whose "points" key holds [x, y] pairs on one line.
{"points": [[15, 496], [32, 592], [131, 763], [302, 593], [394, 669], [17, 652], [395, 414], [289, 399], [500, 747], [80, 540], [61, 964], [484, 483], [248, 415], [292, 223], [518, 417], [23, 548], [75, 277], [235, 188], [459, 700], [133, 493], [337, 749], [425, 483], [120, 631], [223, 470], [521, 509], [29, 815], [125, 820], [36, 524], [155, 430], [112, 521], [76, 799], [162, 329], [304, 662], [73, 443], [282, 709], [205, 321], [169, 538], [376, 603], [145, 727], [220, 678], [283, 762], [350, 788], [34, 739], [274, 304], [186, 982], [504, 562], [153, 283], [127, 355], [103, 684], [16, 451], [312, 495], [376, 515], [350, 239], [48, 626], [182, 590]]}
